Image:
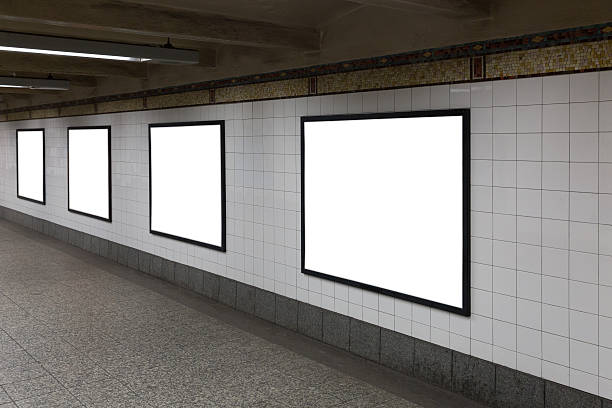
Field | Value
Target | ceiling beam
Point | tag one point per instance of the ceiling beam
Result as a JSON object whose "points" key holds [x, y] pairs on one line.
{"points": [[116, 16], [19, 91], [47, 64], [75, 80], [456, 8]]}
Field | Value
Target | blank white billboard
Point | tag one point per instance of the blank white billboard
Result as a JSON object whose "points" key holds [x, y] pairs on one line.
{"points": [[31, 165], [187, 185], [89, 191], [386, 204]]}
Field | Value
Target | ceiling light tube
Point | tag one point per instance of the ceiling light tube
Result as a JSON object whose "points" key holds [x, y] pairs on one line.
{"points": [[72, 47], [35, 83]]}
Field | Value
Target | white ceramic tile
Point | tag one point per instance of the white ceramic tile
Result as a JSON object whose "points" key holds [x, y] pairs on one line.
{"points": [[605, 208], [460, 96], [504, 173], [440, 97], [556, 118], [583, 267], [421, 98], [584, 147], [555, 372], [583, 381], [529, 202], [555, 176], [583, 117], [504, 200], [528, 174], [529, 258], [584, 326], [529, 341], [555, 204], [481, 146], [584, 177], [529, 146], [555, 349], [583, 297], [555, 233], [529, 365], [584, 87], [504, 146], [504, 119], [481, 120], [605, 116], [504, 309], [529, 285], [529, 119], [403, 99], [605, 85], [482, 303], [555, 320], [605, 181], [529, 91], [481, 94], [605, 301], [529, 314], [555, 89], [555, 291], [555, 147], [504, 93], [504, 227]]}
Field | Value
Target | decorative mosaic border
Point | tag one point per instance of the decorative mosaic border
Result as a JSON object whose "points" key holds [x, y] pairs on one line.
{"points": [[568, 50]]}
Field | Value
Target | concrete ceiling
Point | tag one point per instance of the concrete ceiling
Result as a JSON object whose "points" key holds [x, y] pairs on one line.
{"points": [[239, 37]]}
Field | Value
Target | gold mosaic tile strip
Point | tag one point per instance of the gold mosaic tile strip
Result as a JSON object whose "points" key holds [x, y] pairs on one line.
{"points": [[45, 113], [124, 105], [178, 99], [398, 76], [88, 109], [18, 115], [266, 90], [564, 58]]}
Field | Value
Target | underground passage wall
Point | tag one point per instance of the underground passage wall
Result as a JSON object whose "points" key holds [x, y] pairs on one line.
{"points": [[541, 216]]}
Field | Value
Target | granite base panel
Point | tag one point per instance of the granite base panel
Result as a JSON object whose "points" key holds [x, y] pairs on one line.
{"points": [[483, 381]]}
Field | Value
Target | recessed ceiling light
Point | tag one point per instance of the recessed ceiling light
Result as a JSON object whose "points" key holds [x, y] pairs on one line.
{"points": [[71, 47]]}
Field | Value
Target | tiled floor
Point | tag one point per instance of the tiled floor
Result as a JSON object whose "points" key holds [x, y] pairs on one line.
{"points": [[77, 330]]}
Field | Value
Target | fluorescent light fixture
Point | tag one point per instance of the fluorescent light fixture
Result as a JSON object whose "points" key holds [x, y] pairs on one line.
{"points": [[34, 83], [386, 204], [72, 47]]}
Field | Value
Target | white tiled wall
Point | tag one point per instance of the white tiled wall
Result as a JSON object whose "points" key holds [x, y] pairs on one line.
{"points": [[541, 214]]}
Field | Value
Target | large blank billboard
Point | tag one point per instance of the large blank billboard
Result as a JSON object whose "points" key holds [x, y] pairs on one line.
{"points": [[385, 204], [89, 173], [187, 182], [31, 165]]}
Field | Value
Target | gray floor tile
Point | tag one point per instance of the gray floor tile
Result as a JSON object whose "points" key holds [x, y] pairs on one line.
{"points": [[59, 399], [75, 332], [32, 388]]}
